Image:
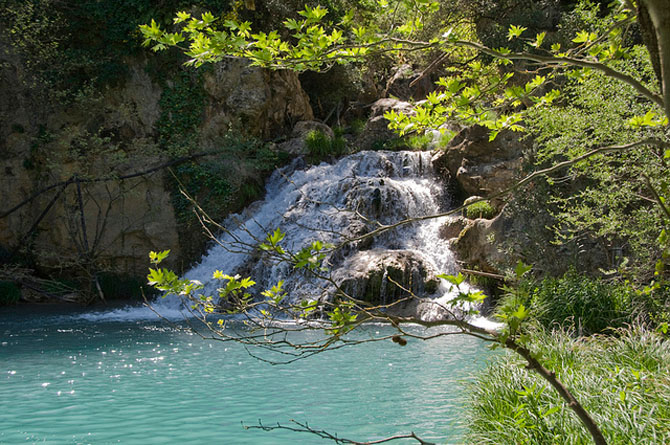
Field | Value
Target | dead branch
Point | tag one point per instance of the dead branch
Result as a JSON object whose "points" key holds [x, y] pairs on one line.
{"points": [[305, 428]]}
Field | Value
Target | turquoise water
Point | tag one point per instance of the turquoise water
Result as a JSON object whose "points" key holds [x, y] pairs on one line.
{"points": [[65, 379]]}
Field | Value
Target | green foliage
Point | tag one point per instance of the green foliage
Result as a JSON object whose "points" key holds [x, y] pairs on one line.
{"points": [[608, 198], [573, 301], [232, 295], [158, 257], [342, 319], [419, 142], [620, 379], [312, 256], [182, 105], [320, 146], [207, 184], [227, 182], [9, 293], [466, 299], [481, 209]]}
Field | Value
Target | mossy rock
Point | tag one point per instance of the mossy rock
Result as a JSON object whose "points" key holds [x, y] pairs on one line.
{"points": [[480, 209]]}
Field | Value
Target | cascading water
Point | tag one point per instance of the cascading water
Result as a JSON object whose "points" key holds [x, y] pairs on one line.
{"points": [[334, 203]]}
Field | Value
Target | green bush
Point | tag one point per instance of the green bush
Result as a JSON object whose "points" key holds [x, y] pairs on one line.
{"points": [[578, 302], [9, 293], [481, 209], [320, 146], [621, 380]]}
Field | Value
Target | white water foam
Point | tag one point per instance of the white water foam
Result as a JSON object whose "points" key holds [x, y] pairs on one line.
{"points": [[331, 203]]}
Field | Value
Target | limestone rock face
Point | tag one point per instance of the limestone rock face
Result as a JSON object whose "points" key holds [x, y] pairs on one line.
{"points": [[476, 245], [481, 167], [453, 227], [376, 128], [115, 223], [258, 102], [367, 275]]}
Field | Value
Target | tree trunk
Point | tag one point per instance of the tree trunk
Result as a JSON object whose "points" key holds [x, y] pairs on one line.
{"points": [[659, 15]]}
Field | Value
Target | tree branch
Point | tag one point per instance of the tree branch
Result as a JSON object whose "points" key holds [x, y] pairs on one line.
{"points": [[77, 179], [305, 428], [553, 60], [565, 394]]}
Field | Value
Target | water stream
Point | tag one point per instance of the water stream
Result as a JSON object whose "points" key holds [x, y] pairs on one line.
{"points": [[124, 376], [67, 380]]}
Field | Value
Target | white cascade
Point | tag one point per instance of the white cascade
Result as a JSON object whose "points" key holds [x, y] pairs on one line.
{"points": [[332, 203]]}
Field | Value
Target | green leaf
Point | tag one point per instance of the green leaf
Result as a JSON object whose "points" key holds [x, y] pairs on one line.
{"points": [[515, 31], [582, 37], [456, 280], [521, 269], [520, 313], [157, 257]]}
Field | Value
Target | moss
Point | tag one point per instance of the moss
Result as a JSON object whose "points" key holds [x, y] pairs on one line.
{"points": [[481, 209], [182, 105]]}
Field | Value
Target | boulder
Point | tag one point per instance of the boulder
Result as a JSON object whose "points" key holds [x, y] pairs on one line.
{"points": [[296, 144], [479, 166], [253, 100], [376, 129], [476, 245], [368, 275], [453, 227]]}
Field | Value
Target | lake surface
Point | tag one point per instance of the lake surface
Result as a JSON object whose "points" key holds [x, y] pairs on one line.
{"points": [[85, 378]]}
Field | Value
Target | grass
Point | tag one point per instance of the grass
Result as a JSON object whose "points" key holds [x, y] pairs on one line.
{"points": [[320, 146], [584, 305], [622, 380]]}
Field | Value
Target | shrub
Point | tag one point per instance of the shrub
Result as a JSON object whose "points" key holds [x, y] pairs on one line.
{"points": [[320, 146], [621, 380], [481, 209], [584, 304]]}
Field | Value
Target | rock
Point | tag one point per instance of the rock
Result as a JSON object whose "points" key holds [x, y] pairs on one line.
{"points": [[406, 84], [376, 129], [135, 105], [296, 144], [302, 128], [45, 143], [367, 275], [479, 166], [479, 242], [475, 246], [256, 101], [453, 227]]}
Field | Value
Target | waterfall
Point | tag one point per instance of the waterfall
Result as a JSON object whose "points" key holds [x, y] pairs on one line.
{"points": [[334, 203]]}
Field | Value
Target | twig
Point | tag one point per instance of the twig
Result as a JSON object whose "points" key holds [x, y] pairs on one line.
{"points": [[107, 179], [305, 428]]}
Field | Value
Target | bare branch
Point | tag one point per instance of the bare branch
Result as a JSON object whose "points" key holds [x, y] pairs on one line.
{"points": [[305, 428]]}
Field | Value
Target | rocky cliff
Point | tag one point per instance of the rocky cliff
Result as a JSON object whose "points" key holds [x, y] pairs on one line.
{"points": [[83, 183]]}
